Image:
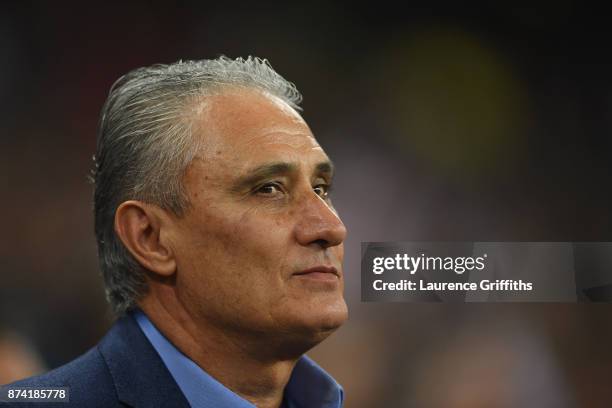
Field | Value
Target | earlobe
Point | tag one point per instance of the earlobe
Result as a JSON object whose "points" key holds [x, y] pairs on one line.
{"points": [[139, 226]]}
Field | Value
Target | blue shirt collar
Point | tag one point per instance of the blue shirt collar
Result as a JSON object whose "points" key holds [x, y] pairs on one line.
{"points": [[309, 386]]}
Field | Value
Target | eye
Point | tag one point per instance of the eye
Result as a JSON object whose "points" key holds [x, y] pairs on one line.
{"points": [[322, 190], [269, 189]]}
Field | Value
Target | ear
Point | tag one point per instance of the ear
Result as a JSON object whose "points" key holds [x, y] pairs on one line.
{"points": [[140, 227]]}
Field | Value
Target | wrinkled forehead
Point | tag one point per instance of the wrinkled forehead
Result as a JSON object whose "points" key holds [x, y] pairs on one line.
{"points": [[242, 119]]}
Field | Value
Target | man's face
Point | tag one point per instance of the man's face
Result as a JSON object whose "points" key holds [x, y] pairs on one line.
{"points": [[260, 249]]}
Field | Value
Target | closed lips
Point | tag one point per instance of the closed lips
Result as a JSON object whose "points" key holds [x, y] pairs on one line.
{"points": [[319, 269]]}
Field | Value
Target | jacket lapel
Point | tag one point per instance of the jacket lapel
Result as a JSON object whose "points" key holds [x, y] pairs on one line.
{"points": [[141, 378]]}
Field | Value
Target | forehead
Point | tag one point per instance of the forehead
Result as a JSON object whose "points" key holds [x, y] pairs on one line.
{"points": [[247, 127]]}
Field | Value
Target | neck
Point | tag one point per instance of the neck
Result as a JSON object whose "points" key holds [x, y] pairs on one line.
{"points": [[238, 363]]}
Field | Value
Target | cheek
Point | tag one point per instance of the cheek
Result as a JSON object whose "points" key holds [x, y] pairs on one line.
{"points": [[340, 252], [232, 267], [235, 250], [261, 243]]}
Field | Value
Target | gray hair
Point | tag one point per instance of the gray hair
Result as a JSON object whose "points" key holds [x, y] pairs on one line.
{"points": [[145, 144]]}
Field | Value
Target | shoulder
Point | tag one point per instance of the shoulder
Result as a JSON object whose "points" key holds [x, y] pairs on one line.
{"points": [[123, 369], [87, 378]]}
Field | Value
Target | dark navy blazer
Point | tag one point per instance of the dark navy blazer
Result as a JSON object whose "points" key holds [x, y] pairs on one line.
{"points": [[123, 370]]}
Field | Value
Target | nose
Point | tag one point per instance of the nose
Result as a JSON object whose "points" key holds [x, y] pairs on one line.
{"points": [[319, 223]]}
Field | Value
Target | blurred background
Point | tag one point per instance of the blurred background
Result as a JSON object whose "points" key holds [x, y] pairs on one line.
{"points": [[446, 122]]}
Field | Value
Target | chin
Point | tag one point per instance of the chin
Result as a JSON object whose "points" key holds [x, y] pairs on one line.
{"points": [[305, 337], [335, 318], [309, 325], [319, 323]]}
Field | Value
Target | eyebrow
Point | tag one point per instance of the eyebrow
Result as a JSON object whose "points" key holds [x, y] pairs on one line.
{"points": [[326, 167], [269, 170]]}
